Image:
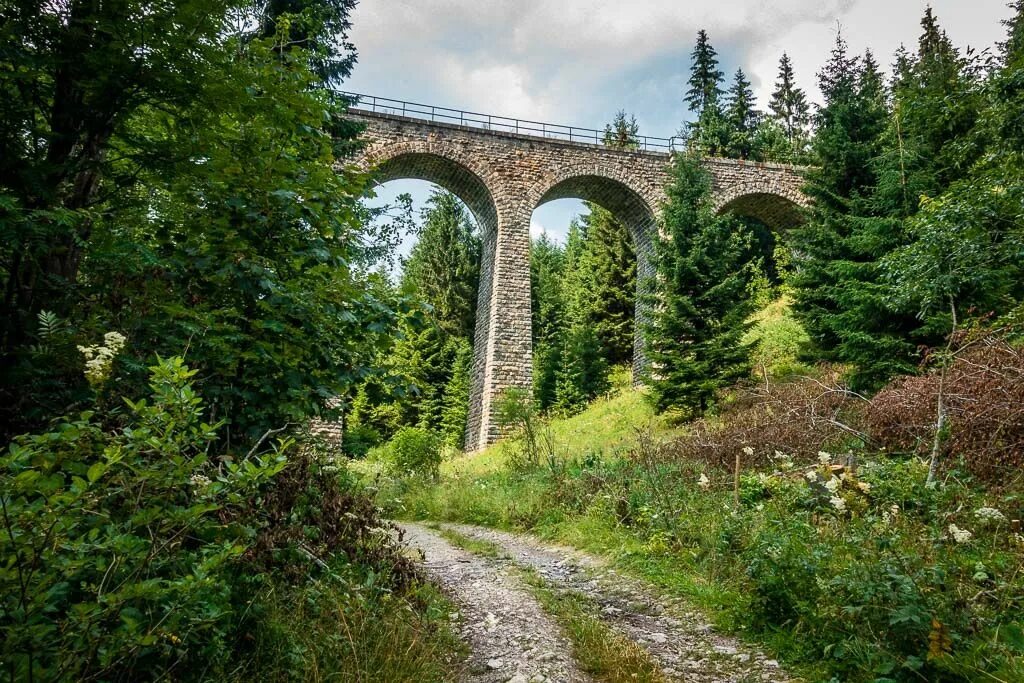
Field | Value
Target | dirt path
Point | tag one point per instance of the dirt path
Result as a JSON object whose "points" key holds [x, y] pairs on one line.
{"points": [[680, 640], [510, 637]]}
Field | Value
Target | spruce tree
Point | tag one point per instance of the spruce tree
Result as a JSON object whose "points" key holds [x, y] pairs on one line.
{"points": [[701, 300], [622, 132], [705, 77], [789, 106], [549, 310], [741, 116], [708, 135], [848, 131], [443, 267], [612, 263]]}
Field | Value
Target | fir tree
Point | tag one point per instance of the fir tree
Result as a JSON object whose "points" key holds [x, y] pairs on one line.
{"points": [[549, 310], [705, 77], [789, 105], [849, 128], [443, 268], [708, 135], [701, 302], [741, 116], [455, 401], [612, 263], [584, 372], [1012, 49], [622, 132]]}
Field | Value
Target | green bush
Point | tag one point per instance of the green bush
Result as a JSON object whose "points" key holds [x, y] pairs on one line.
{"points": [[415, 450], [359, 439], [119, 543]]}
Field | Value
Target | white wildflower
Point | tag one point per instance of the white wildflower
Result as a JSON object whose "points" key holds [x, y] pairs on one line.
{"points": [[833, 485], [199, 481], [960, 535], [748, 450], [811, 475], [824, 458], [704, 482], [114, 341], [99, 358], [987, 514], [838, 503], [864, 487]]}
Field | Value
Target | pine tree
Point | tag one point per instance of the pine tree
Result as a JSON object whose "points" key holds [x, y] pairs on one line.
{"points": [[549, 311], [612, 263], [701, 299], [849, 128], [741, 116], [705, 77], [622, 132], [708, 135], [789, 106], [443, 268], [455, 401]]}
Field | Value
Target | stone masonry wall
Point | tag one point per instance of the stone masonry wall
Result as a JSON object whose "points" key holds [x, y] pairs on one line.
{"points": [[502, 177]]}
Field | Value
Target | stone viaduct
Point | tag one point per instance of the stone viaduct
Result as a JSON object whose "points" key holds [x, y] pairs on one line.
{"points": [[503, 175]]}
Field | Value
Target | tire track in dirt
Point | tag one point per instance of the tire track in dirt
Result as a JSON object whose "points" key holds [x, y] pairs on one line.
{"points": [[681, 641], [510, 637]]}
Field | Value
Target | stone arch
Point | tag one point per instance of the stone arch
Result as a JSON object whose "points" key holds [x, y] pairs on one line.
{"points": [[775, 204], [442, 164], [630, 200]]}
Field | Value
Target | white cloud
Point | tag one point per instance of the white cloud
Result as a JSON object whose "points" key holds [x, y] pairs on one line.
{"points": [[536, 229], [577, 61]]}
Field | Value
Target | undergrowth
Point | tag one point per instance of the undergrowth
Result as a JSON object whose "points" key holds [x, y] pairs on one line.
{"points": [[844, 562]]}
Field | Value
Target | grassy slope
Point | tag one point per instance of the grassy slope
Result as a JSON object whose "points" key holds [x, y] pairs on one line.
{"points": [[809, 567]]}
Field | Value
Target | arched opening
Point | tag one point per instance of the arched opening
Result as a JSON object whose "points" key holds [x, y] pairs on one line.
{"points": [[428, 372], [776, 336], [768, 216], [584, 288]]}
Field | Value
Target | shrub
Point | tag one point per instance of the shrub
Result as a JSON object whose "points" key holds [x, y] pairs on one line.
{"points": [[798, 417], [359, 439], [777, 339], [984, 399], [415, 450], [119, 543]]}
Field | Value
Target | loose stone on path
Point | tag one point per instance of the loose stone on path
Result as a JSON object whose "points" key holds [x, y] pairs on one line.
{"points": [[685, 646], [511, 639]]}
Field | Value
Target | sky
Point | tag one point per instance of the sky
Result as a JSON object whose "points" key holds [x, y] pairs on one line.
{"points": [[579, 61]]}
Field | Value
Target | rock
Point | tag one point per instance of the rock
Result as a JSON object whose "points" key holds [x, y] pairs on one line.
{"points": [[547, 657], [743, 657], [519, 678], [495, 664], [658, 638], [725, 649], [773, 663], [611, 610]]}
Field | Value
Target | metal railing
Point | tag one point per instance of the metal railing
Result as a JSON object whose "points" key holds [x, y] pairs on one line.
{"points": [[429, 112]]}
